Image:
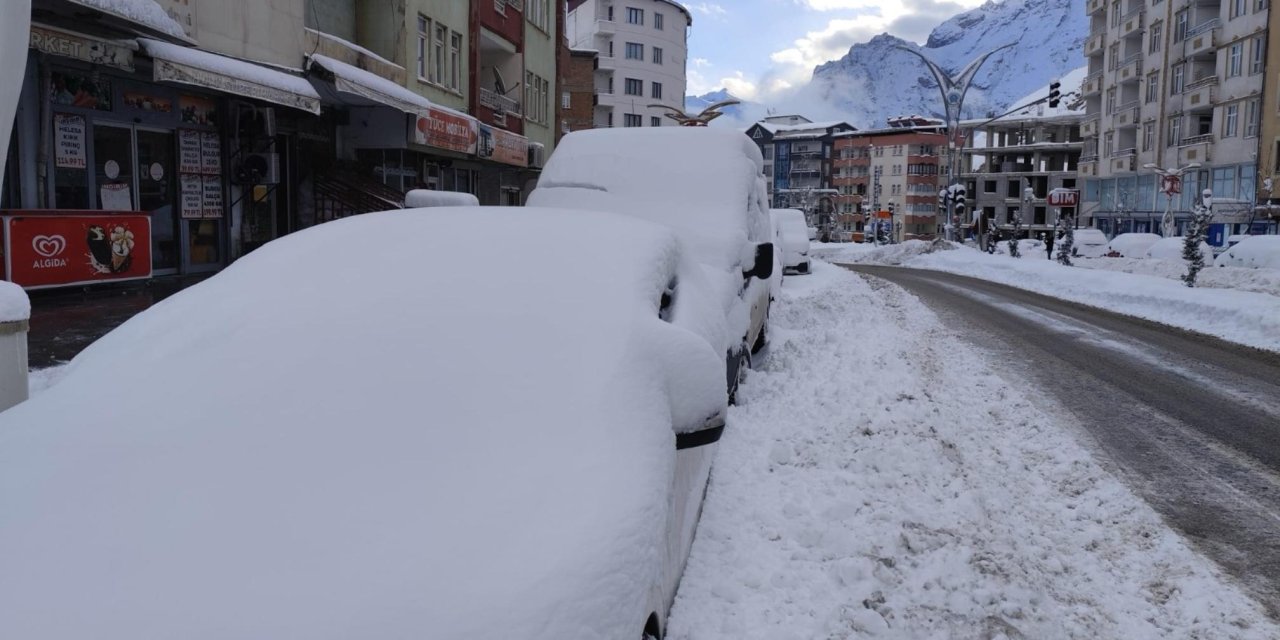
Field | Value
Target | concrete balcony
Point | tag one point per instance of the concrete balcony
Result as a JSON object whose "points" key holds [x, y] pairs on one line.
{"points": [[1095, 45], [1129, 70], [606, 26], [1132, 23], [608, 64], [1126, 115], [1200, 95], [1088, 166], [1092, 84], [1094, 6], [1089, 128], [498, 102], [1195, 149], [1202, 41], [1124, 160]]}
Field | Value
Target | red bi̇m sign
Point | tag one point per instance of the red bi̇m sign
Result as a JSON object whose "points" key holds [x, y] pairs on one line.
{"points": [[1064, 198]]}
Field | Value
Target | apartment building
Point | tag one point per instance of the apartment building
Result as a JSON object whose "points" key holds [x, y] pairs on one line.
{"points": [[1172, 84], [642, 48], [1019, 152], [578, 96], [798, 170], [893, 173], [1267, 216]]}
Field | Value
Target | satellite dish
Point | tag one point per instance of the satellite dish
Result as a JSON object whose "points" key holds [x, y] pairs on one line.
{"points": [[498, 84]]}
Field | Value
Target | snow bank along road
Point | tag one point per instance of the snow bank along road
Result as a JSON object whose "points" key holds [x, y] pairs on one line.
{"points": [[881, 480], [1192, 422]]}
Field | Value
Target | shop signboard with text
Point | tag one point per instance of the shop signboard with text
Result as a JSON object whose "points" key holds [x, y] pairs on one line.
{"points": [[54, 248], [503, 146], [446, 130]]}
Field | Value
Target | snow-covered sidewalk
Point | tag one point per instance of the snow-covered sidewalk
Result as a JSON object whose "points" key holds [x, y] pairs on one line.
{"points": [[1245, 317], [880, 480]]}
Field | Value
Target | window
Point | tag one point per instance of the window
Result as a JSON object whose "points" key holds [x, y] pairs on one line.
{"points": [[1238, 8], [1157, 33], [1175, 85], [655, 121], [1115, 13], [657, 21], [1232, 120], [1175, 131], [1180, 26], [635, 16], [1259, 52], [1251, 111], [634, 87], [437, 50], [537, 98], [1113, 54], [1235, 60], [657, 55], [988, 186], [631, 120], [564, 100], [1148, 136], [1259, 5], [635, 51], [424, 34], [455, 60], [539, 13], [1153, 86], [1111, 100], [609, 17], [655, 90]]}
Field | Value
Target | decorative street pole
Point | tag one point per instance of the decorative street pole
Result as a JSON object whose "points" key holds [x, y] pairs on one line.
{"points": [[1171, 185], [953, 90]]}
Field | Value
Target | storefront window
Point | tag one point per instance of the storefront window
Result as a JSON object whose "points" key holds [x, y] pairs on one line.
{"points": [[113, 167], [156, 194]]}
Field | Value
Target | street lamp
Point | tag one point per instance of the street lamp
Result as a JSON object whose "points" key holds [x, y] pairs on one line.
{"points": [[1170, 184]]}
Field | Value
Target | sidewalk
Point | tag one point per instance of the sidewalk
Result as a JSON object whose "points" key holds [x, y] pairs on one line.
{"points": [[64, 322]]}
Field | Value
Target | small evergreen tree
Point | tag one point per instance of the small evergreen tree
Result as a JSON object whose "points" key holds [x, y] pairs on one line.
{"points": [[1191, 251], [1013, 240], [1066, 238]]}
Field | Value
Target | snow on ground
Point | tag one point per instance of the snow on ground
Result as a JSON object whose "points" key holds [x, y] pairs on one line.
{"points": [[838, 251], [38, 380], [857, 494], [1255, 280], [1245, 317], [14, 304]]}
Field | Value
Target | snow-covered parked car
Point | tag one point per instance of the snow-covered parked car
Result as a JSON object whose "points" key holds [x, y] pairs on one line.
{"points": [[1026, 246], [1088, 243], [793, 238], [1256, 252], [1171, 249], [341, 436], [423, 198], [707, 184], [1131, 245]]}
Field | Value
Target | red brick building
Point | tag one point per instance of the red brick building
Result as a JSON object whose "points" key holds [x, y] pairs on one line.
{"points": [[578, 99], [905, 162]]}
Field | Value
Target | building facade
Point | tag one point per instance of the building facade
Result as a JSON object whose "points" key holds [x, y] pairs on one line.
{"points": [[893, 174], [643, 51], [798, 165], [1017, 153], [1172, 84], [579, 91]]}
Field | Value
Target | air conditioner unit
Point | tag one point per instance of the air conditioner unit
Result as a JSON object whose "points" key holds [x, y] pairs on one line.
{"points": [[537, 156], [257, 168]]}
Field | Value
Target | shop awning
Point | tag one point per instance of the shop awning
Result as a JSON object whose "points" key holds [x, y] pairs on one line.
{"points": [[135, 17], [229, 75], [356, 86]]}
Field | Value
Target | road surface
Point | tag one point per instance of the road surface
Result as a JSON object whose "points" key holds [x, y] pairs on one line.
{"points": [[1191, 422]]}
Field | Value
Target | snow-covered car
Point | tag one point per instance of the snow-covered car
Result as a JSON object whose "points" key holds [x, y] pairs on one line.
{"points": [[1256, 252], [1088, 243], [341, 436], [422, 198], [1131, 245], [1026, 246], [813, 233], [793, 235], [707, 184], [1171, 249]]}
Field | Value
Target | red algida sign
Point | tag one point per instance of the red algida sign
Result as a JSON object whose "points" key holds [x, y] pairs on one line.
{"points": [[52, 250]]}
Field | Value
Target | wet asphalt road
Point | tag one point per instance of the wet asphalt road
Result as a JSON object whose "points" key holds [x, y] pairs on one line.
{"points": [[1192, 423]]}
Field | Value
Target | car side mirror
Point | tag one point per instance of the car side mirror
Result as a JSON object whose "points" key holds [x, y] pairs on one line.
{"points": [[763, 267]]}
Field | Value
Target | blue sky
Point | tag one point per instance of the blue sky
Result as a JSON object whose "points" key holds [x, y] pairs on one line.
{"points": [[762, 49]]}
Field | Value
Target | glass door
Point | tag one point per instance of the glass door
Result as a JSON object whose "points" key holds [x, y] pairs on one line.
{"points": [[156, 180]]}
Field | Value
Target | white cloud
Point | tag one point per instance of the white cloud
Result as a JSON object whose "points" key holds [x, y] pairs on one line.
{"points": [[708, 9], [738, 85], [700, 62]]}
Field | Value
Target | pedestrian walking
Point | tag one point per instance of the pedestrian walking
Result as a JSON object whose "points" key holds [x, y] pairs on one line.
{"points": [[1048, 246]]}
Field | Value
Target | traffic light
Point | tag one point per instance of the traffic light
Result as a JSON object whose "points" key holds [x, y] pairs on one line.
{"points": [[942, 202], [1055, 94], [959, 195], [891, 209]]}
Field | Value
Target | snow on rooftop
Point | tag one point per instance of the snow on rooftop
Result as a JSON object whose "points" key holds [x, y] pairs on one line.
{"points": [[14, 304], [143, 12], [808, 126], [353, 46], [233, 67], [410, 101]]}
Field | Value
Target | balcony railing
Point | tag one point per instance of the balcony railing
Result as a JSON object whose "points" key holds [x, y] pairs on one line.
{"points": [[1204, 137], [1127, 61], [1128, 105], [1202, 82], [1207, 25], [1124, 152], [499, 102]]}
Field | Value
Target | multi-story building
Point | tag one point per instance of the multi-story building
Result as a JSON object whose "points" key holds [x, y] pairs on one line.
{"points": [[797, 156], [1017, 152], [1269, 139], [579, 91], [893, 172], [643, 49], [1169, 85]]}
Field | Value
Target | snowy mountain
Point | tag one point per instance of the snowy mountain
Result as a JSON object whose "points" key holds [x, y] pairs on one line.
{"points": [[746, 112], [877, 80]]}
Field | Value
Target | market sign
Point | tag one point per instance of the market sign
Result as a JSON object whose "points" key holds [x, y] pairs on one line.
{"points": [[1064, 197], [58, 250], [503, 146], [78, 47], [446, 130]]}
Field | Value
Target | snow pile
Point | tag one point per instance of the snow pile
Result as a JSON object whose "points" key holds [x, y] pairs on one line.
{"points": [[223, 65], [841, 252], [1132, 245], [884, 254], [1253, 252], [881, 481], [14, 304], [144, 12], [310, 447], [386, 90], [1171, 249], [39, 380], [1248, 318], [1242, 278]]}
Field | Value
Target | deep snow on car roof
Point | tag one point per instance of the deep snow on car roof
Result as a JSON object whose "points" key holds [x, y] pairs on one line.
{"points": [[364, 428]]}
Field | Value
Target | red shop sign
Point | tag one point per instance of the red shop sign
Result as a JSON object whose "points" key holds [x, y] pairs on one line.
{"points": [[445, 130], [57, 250]]}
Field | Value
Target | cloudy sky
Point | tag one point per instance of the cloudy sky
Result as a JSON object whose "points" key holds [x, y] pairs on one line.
{"points": [[762, 49]]}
